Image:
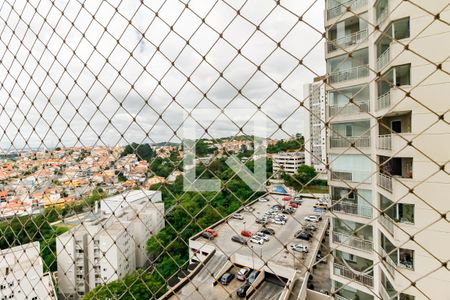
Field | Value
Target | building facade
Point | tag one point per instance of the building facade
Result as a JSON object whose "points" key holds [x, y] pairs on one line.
{"points": [[386, 103], [288, 162], [110, 245], [22, 274], [315, 130]]}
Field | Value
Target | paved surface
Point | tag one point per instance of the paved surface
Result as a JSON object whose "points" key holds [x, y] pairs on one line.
{"points": [[267, 291], [277, 248]]}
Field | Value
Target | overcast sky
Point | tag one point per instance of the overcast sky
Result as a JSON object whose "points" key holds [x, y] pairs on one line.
{"points": [[109, 72]]}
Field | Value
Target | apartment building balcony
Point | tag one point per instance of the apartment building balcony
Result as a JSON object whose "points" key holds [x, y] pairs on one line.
{"points": [[351, 176], [354, 73], [351, 208], [394, 214], [349, 141], [384, 59], [347, 40], [343, 68], [389, 93], [399, 167], [354, 108], [346, 292], [339, 9], [352, 241], [344, 271]]}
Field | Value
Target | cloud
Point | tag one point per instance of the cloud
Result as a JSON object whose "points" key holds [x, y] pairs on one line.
{"points": [[82, 73]]}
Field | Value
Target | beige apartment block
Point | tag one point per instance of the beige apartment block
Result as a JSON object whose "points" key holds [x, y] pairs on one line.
{"points": [[389, 146]]}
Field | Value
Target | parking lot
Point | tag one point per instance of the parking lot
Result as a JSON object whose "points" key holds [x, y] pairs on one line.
{"points": [[277, 249]]}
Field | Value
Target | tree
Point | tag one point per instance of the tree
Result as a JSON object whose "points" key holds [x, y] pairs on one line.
{"points": [[142, 151]]}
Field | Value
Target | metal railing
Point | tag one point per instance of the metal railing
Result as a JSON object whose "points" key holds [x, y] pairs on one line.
{"points": [[354, 73], [349, 109], [354, 176], [384, 142], [387, 223], [384, 59], [339, 175], [384, 294], [384, 101], [387, 261], [352, 241], [344, 142], [342, 8], [385, 181], [348, 40], [343, 271], [352, 209]]}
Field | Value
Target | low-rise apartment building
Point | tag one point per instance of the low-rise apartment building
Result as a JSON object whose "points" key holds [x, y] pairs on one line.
{"points": [[288, 162]]}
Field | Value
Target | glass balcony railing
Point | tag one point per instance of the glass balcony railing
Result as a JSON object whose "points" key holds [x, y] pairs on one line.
{"points": [[348, 40], [352, 241], [384, 59], [351, 208], [387, 223], [385, 181], [349, 109], [354, 73], [342, 8], [384, 101], [348, 141], [346, 272]]}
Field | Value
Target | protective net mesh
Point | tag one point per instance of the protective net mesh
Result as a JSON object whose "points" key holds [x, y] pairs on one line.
{"points": [[216, 149]]}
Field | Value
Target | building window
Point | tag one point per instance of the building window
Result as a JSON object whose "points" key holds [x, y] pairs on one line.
{"points": [[406, 213], [406, 258]]}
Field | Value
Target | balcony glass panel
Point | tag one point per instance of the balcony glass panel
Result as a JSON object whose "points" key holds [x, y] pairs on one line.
{"points": [[349, 32], [347, 292], [344, 134], [337, 8], [381, 10], [355, 229], [351, 167], [353, 267], [354, 203], [343, 68], [339, 100]]}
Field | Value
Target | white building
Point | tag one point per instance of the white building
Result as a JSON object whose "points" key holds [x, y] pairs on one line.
{"points": [[386, 148], [109, 246], [22, 274], [288, 162], [315, 131]]}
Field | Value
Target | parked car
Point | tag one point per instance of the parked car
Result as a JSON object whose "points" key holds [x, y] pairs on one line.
{"points": [[303, 235], [299, 201], [288, 211], [242, 290], [239, 239], [207, 235], [277, 207], [262, 220], [321, 205], [287, 198], [319, 216], [262, 236], [310, 227], [299, 248], [249, 208], [246, 233], [262, 199], [268, 231], [312, 218], [237, 216], [294, 205], [279, 221], [252, 276], [212, 231], [243, 274], [256, 240], [226, 278]]}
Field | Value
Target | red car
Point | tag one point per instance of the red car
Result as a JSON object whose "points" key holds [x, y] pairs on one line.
{"points": [[294, 205], [287, 199], [212, 232], [246, 233]]}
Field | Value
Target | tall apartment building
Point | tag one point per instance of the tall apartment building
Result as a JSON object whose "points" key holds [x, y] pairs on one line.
{"points": [[388, 148], [288, 162], [22, 274], [315, 131], [111, 244]]}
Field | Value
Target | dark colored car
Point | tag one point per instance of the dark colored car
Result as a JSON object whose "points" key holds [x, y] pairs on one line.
{"points": [[242, 290], [226, 278], [262, 221], [239, 239], [268, 231], [207, 235], [303, 235], [252, 276]]}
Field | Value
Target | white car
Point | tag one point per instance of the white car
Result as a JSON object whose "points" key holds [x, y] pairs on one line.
{"points": [[299, 248], [243, 274], [312, 219], [237, 216], [279, 222], [256, 240], [263, 199], [249, 208], [262, 236]]}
